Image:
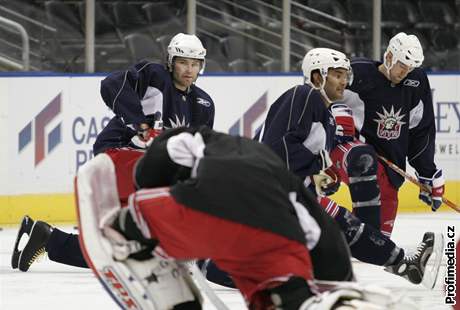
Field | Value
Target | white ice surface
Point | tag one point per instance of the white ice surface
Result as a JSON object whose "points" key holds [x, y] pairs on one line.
{"points": [[52, 286]]}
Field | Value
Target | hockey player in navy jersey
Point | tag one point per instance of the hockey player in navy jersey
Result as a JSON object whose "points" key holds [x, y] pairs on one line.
{"points": [[145, 98], [300, 128], [152, 96], [392, 109]]}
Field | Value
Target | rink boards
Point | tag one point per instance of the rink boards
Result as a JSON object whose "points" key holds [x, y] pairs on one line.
{"points": [[49, 123]]}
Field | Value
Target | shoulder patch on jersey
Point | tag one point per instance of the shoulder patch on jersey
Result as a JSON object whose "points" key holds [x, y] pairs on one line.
{"points": [[204, 102], [389, 124], [411, 83]]}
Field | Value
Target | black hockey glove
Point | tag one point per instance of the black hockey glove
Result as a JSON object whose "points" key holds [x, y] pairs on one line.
{"points": [[127, 240]]}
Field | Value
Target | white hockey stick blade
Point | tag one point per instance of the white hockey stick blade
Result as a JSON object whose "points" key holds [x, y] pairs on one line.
{"points": [[202, 283], [153, 284], [434, 262]]}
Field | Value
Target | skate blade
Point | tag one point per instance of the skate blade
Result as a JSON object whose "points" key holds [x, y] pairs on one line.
{"points": [[434, 263], [15, 259], [23, 230]]}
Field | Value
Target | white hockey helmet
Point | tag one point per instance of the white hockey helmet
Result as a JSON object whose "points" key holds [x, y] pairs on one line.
{"points": [[323, 59], [406, 49], [187, 46]]}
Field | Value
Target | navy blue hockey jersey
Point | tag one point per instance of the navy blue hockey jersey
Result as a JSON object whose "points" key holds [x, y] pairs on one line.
{"points": [[143, 94], [397, 120], [297, 127]]}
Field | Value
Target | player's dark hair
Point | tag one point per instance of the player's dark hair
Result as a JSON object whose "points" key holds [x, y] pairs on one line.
{"points": [[312, 73]]}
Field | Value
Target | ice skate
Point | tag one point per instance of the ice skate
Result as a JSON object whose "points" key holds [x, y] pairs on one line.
{"points": [[25, 228], [35, 247], [414, 267]]}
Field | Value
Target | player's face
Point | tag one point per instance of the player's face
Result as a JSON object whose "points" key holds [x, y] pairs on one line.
{"points": [[399, 71], [185, 72], [336, 81]]}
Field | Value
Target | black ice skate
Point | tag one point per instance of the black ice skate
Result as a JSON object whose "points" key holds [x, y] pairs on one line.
{"points": [[35, 247], [412, 267], [25, 228]]}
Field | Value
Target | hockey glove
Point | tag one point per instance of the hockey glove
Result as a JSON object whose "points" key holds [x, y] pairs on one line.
{"points": [[126, 238], [327, 181], [435, 187], [144, 136], [345, 125]]}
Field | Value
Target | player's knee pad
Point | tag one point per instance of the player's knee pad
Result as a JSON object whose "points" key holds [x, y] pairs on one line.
{"points": [[362, 168], [361, 161]]}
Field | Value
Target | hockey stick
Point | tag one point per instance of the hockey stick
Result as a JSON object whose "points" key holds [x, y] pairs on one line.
{"points": [[202, 283], [412, 179]]}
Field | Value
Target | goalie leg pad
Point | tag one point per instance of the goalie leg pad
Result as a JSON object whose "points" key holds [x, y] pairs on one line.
{"points": [[154, 283], [164, 281]]}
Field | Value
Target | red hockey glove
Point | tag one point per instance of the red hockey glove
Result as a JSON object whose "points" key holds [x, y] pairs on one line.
{"points": [[435, 185], [327, 181], [345, 130], [145, 136]]}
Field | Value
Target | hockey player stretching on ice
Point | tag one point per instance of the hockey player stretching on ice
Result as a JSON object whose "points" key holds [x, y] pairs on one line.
{"points": [[393, 113], [144, 98], [207, 194], [300, 128]]}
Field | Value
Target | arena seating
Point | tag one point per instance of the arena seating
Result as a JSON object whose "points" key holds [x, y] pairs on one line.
{"points": [[234, 32]]}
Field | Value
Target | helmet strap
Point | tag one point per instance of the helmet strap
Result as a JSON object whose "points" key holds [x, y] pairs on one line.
{"points": [[325, 96], [321, 87], [170, 63], [388, 67], [323, 92]]}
